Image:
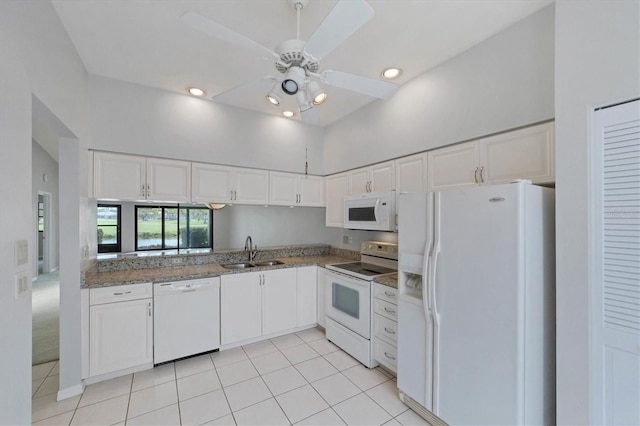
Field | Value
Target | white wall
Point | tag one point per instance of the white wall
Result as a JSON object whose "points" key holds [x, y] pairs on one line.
{"points": [[15, 224], [502, 83], [140, 120], [43, 164], [597, 64], [39, 71]]}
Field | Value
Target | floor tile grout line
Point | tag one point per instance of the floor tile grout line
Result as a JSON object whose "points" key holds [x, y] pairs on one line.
{"points": [[226, 398]]}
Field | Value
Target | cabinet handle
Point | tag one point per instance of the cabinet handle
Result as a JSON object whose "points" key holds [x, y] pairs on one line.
{"points": [[122, 293], [148, 191], [391, 311], [389, 331], [475, 175], [149, 308], [390, 294], [144, 193], [482, 174], [390, 356]]}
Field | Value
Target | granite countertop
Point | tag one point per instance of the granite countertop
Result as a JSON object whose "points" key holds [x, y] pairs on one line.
{"points": [[94, 279], [390, 280]]}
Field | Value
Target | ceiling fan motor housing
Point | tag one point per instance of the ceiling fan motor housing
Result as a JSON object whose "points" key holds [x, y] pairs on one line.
{"points": [[291, 53]]}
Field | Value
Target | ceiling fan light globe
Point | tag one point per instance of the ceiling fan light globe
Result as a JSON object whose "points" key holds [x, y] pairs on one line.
{"points": [[273, 98], [290, 87]]}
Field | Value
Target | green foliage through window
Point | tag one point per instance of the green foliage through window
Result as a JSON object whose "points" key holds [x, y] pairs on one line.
{"points": [[164, 227]]}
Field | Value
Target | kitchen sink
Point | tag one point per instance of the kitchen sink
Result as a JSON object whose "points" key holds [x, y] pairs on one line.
{"points": [[241, 265], [268, 263]]}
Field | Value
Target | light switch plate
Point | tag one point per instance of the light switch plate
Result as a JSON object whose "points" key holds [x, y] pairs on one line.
{"points": [[21, 282], [21, 252]]}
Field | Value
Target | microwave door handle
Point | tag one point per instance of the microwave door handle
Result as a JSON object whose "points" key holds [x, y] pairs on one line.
{"points": [[376, 210]]}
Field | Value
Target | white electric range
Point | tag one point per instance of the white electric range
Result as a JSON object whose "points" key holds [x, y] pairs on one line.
{"points": [[349, 298]]}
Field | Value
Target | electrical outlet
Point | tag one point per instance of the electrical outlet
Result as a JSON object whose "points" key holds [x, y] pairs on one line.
{"points": [[21, 252], [347, 239]]}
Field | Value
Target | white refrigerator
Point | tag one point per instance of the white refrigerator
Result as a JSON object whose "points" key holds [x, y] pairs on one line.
{"points": [[476, 311]]}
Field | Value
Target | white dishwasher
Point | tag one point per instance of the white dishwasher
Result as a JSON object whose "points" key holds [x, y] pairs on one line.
{"points": [[186, 319]]}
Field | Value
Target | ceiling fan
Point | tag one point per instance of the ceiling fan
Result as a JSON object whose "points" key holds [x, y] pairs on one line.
{"points": [[298, 62]]}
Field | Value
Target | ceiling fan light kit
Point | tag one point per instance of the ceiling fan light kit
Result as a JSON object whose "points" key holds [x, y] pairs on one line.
{"points": [[299, 60]]}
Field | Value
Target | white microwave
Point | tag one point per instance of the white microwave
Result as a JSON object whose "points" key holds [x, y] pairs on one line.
{"points": [[372, 211]]}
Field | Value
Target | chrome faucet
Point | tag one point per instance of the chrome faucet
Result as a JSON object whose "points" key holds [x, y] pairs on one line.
{"points": [[248, 246]]}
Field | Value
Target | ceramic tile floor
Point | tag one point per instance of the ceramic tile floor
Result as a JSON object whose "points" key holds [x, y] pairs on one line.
{"points": [[299, 378]]}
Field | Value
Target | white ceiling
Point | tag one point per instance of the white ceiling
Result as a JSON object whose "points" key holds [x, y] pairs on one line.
{"points": [[144, 42]]}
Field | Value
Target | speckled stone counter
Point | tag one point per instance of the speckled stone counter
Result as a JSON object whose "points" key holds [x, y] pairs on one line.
{"points": [[94, 278], [390, 280]]}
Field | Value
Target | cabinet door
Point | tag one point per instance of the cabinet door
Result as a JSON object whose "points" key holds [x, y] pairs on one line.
{"points": [[240, 307], [321, 289], [168, 180], [336, 187], [119, 176], [283, 189], [307, 296], [521, 154], [279, 300], [382, 177], [453, 167], [210, 183], [121, 336], [251, 186], [311, 190], [359, 181], [411, 174]]}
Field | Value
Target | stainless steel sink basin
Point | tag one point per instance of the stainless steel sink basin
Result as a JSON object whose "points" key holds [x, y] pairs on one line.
{"points": [[268, 263], [241, 265]]}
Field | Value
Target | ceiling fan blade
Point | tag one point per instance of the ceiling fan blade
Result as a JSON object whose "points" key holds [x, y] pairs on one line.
{"points": [[346, 17], [357, 83], [214, 29], [251, 87]]}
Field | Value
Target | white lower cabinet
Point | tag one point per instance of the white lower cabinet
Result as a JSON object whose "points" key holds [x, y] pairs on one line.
{"points": [[120, 328], [253, 304], [385, 325], [307, 296]]}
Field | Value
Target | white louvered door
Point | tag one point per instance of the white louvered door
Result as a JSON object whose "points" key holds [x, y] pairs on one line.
{"points": [[616, 255]]}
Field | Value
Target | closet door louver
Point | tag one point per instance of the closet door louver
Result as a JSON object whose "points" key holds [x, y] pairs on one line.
{"points": [[615, 336], [621, 225]]}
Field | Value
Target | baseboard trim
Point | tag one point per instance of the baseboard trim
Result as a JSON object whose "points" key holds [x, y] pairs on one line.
{"points": [[70, 391]]}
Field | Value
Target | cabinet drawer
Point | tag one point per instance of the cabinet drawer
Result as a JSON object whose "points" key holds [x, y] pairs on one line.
{"points": [[385, 328], [385, 309], [385, 292], [385, 354], [120, 293]]}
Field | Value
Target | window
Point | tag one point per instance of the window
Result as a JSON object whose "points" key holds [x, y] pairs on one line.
{"points": [[165, 227], [109, 228]]}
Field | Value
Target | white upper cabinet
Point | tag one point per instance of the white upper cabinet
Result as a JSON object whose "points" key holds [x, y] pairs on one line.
{"points": [[521, 154], [291, 189], [210, 183], [168, 180], [453, 167], [337, 186], [117, 176], [411, 174], [377, 178], [222, 184], [250, 186], [134, 178]]}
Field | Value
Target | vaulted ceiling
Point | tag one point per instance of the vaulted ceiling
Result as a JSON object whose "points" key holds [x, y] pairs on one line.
{"points": [[145, 42]]}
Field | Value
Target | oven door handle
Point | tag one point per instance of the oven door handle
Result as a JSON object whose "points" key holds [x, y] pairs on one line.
{"points": [[351, 279]]}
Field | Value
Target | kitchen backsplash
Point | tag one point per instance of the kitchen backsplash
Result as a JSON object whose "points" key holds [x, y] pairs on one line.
{"points": [[147, 260]]}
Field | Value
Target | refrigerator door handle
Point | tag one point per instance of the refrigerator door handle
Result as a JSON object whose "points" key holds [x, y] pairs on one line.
{"points": [[434, 306]]}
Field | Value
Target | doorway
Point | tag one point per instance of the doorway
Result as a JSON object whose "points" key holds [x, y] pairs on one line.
{"points": [[43, 224]]}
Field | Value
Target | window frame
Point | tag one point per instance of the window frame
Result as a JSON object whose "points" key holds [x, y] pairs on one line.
{"points": [[117, 247], [178, 208]]}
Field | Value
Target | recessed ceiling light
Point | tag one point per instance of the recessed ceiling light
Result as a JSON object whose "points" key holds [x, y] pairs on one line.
{"points": [[391, 73], [195, 91], [288, 114]]}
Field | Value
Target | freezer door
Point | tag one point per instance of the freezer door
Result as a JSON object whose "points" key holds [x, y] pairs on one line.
{"points": [[478, 300]]}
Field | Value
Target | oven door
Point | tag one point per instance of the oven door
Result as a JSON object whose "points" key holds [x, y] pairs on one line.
{"points": [[348, 302]]}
